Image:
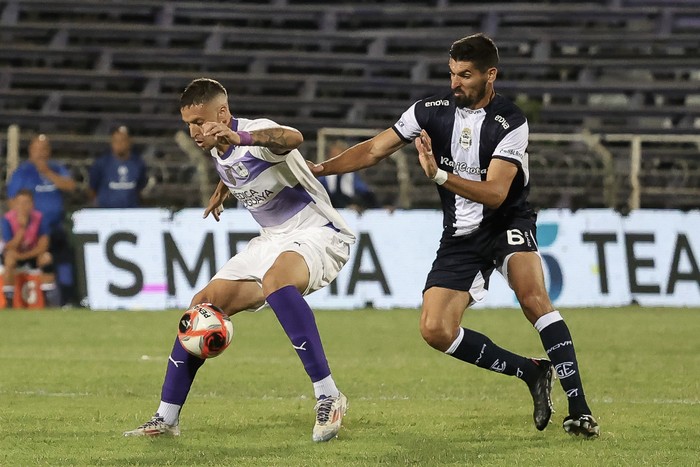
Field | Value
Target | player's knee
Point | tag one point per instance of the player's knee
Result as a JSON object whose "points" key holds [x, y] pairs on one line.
{"points": [[273, 282], [436, 334], [535, 302], [205, 296]]}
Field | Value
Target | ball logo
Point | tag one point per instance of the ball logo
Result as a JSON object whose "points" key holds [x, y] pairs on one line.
{"points": [[184, 323]]}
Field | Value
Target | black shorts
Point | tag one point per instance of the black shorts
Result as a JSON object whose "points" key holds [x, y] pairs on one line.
{"points": [[465, 263]]}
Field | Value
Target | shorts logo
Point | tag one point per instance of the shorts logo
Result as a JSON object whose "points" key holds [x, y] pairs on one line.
{"points": [[465, 138]]}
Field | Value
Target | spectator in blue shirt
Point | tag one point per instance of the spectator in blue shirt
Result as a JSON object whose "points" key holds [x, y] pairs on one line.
{"points": [[117, 178], [48, 180]]}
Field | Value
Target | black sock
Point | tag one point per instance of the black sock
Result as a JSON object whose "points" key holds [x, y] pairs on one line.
{"points": [[559, 346], [477, 349]]}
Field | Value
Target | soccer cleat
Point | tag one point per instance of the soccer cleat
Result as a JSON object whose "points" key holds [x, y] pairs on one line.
{"points": [[542, 393], [582, 425], [156, 426], [329, 415]]}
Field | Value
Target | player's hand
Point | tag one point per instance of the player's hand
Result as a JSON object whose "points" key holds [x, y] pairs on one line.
{"points": [[215, 206], [425, 154], [223, 134], [316, 169]]}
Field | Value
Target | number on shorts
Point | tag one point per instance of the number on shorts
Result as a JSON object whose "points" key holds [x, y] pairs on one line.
{"points": [[515, 237]]}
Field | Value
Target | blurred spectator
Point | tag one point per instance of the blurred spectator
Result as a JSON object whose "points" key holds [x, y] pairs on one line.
{"points": [[347, 190], [117, 178], [47, 180], [26, 239]]}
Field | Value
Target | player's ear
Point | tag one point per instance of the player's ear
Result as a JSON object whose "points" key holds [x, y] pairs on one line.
{"points": [[222, 114], [491, 73]]}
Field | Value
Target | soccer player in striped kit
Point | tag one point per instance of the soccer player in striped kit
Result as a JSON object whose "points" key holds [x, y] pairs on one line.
{"points": [[472, 143]]}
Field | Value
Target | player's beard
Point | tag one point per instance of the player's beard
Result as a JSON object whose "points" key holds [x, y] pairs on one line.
{"points": [[464, 101]]}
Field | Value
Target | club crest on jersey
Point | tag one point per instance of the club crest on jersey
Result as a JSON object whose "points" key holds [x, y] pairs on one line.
{"points": [[465, 139], [240, 170]]}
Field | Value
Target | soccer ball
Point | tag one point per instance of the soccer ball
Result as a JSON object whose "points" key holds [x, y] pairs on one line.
{"points": [[205, 331]]}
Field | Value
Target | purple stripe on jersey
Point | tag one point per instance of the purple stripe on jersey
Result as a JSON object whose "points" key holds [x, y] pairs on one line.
{"points": [[282, 207], [245, 169], [254, 165], [234, 127]]}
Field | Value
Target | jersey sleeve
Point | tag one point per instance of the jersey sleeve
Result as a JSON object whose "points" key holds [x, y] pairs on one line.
{"points": [[61, 170], [407, 127], [513, 146]]}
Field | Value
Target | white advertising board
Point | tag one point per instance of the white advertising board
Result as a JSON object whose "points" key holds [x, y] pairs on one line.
{"points": [[154, 259]]}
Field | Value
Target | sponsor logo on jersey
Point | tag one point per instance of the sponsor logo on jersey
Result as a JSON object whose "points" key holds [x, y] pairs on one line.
{"points": [[465, 138], [514, 153], [437, 103], [252, 198], [502, 121], [462, 167]]}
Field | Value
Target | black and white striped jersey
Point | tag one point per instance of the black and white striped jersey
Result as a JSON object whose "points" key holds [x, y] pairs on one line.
{"points": [[464, 142]]}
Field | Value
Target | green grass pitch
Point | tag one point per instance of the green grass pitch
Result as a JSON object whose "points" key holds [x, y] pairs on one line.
{"points": [[72, 381]]}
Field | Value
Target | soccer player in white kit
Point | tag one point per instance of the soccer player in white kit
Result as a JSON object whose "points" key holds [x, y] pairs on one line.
{"points": [[303, 244]]}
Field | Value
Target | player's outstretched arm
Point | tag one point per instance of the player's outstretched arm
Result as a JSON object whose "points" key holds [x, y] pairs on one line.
{"points": [[362, 155], [279, 140], [216, 201]]}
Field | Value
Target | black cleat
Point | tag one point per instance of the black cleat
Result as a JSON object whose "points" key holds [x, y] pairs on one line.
{"points": [[582, 425], [541, 392]]}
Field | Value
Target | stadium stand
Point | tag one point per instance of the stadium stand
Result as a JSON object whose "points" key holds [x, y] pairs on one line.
{"points": [[74, 69]]}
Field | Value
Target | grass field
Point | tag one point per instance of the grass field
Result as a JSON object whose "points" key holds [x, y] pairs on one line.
{"points": [[72, 381]]}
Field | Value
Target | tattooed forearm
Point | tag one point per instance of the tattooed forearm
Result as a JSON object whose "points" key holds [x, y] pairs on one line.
{"points": [[277, 139]]}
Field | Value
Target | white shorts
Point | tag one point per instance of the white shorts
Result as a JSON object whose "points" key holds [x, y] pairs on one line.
{"points": [[324, 250]]}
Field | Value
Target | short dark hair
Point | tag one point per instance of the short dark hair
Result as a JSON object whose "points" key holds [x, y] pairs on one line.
{"points": [[201, 91], [478, 49]]}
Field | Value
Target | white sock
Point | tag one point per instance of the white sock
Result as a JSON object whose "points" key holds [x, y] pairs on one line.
{"points": [[326, 387], [169, 412]]}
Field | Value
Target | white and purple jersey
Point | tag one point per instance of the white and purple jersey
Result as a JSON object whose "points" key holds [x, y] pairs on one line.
{"points": [[279, 190], [464, 142]]}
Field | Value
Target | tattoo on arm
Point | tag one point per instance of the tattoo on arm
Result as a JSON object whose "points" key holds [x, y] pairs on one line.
{"points": [[276, 139]]}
